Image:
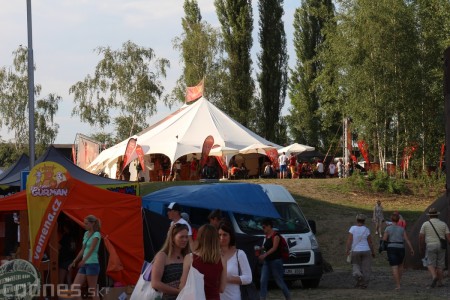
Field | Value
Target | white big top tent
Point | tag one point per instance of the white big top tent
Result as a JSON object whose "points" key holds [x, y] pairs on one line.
{"points": [[183, 132]]}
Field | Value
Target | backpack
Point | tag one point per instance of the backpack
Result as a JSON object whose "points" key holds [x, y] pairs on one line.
{"points": [[283, 246]]}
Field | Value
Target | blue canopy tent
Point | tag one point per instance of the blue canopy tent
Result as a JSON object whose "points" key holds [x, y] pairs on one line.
{"points": [[242, 198], [245, 198]]}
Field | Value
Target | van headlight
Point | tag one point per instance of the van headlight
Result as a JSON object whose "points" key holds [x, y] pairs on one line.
{"points": [[313, 241]]}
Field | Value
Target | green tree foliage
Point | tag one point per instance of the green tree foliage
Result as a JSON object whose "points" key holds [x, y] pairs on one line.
{"points": [[127, 80], [14, 108], [272, 62], [236, 19], [313, 115], [201, 53]]}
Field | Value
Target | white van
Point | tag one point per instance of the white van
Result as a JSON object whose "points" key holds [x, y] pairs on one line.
{"points": [[305, 261]]}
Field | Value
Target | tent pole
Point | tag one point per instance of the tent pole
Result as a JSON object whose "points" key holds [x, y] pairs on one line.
{"points": [[447, 131]]}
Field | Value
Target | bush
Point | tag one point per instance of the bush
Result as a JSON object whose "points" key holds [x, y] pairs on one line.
{"points": [[371, 175], [381, 182]]}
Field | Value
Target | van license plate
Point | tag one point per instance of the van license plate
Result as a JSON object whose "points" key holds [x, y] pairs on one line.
{"points": [[300, 271]]}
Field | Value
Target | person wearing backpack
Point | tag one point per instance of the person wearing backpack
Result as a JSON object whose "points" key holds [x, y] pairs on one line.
{"points": [[272, 260]]}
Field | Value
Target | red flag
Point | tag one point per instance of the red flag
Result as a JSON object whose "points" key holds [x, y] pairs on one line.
{"points": [[207, 145], [364, 151], [442, 156], [131, 146], [195, 92], [273, 156], [140, 154], [74, 155]]}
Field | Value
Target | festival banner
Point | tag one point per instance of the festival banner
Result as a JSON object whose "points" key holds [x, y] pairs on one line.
{"points": [[364, 152], [129, 150], [441, 158], [47, 191], [140, 154], [195, 92], [273, 156], [207, 145]]}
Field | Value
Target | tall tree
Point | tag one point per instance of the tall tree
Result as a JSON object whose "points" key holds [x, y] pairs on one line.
{"points": [[236, 19], [14, 106], [272, 62], [201, 52], [123, 80], [311, 120]]}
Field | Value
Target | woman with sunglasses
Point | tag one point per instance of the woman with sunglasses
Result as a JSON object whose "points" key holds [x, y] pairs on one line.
{"points": [[168, 262], [208, 261], [87, 258], [236, 259]]}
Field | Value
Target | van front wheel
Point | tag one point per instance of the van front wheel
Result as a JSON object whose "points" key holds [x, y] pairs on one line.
{"points": [[310, 283]]}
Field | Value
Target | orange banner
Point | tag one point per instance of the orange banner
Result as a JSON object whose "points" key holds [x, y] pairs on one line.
{"points": [[140, 154], [195, 92], [47, 190], [131, 147], [207, 145]]}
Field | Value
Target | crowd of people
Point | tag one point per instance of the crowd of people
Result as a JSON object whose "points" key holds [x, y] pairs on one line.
{"points": [[433, 238], [212, 251]]}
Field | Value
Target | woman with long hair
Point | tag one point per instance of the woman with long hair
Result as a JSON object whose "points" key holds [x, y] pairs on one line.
{"points": [[235, 259], [396, 237], [168, 262], [87, 258], [207, 260]]}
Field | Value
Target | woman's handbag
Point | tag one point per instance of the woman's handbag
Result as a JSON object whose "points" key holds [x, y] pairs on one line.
{"points": [[248, 291], [349, 258], [195, 286], [143, 288], [383, 246]]}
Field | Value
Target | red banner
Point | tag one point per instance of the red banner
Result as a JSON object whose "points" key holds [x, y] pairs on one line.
{"points": [[207, 145], [273, 156], [140, 154], [194, 92], [364, 151], [131, 147], [407, 154], [441, 159]]}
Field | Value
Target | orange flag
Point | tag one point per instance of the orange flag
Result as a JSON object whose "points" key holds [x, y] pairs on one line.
{"points": [[195, 92]]}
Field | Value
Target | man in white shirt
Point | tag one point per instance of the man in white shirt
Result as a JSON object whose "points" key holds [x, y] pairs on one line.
{"points": [[174, 214], [320, 169], [282, 161]]}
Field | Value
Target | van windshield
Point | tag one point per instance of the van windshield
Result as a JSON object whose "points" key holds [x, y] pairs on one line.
{"points": [[291, 221]]}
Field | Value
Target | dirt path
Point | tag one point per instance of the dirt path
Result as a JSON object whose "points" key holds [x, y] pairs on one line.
{"points": [[339, 285]]}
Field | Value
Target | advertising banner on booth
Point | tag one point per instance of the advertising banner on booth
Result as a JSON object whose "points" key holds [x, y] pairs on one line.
{"points": [[47, 190]]}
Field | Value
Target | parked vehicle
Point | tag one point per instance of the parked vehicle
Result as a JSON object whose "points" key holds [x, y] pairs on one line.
{"points": [[305, 261]]}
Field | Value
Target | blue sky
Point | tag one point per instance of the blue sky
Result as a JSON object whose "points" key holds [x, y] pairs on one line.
{"points": [[65, 33]]}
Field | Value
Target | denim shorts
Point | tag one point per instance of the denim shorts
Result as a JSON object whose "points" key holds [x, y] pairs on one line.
{"points": [[89, 269], [396, 256]]}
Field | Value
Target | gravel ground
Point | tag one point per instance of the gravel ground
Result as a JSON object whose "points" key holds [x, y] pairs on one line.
{"points": [[339, 285]]}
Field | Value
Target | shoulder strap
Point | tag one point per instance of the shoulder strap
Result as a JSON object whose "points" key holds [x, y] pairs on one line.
{"points": [[434, 229], [239, 266]]}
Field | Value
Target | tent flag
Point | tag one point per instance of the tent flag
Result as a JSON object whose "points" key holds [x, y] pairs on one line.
{"points": [[207, 145], [195, 92], [362, 145], [129, 150], [140, 154], [273, 156], [47, 191]]}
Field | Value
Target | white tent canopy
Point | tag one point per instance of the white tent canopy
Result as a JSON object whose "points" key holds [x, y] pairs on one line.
{"points": [[295, 148], [184, 131]]}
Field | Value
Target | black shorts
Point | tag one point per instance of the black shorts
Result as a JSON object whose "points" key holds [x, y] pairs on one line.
{"points": [[395, 256]]}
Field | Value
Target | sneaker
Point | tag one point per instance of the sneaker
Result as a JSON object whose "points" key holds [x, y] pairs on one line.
{"points": [[376, 232]]}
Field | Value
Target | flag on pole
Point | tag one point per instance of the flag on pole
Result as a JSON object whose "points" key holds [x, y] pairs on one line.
{"points": [[131, 147], [207, 145], [195, 92]]}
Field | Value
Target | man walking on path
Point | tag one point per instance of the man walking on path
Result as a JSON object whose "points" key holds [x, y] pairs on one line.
{"points": [[430, 236]]}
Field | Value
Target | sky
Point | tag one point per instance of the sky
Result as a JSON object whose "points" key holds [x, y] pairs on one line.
{"points": [[66, 32]]}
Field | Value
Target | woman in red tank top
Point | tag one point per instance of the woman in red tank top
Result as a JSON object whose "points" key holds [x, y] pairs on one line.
{"points": [[207, 260]]}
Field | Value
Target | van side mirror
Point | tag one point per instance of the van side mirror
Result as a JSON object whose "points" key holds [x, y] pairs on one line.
{"points": [[312, 224]]}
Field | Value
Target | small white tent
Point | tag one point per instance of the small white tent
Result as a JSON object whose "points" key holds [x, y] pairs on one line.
{"points": [[183, 132]]}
